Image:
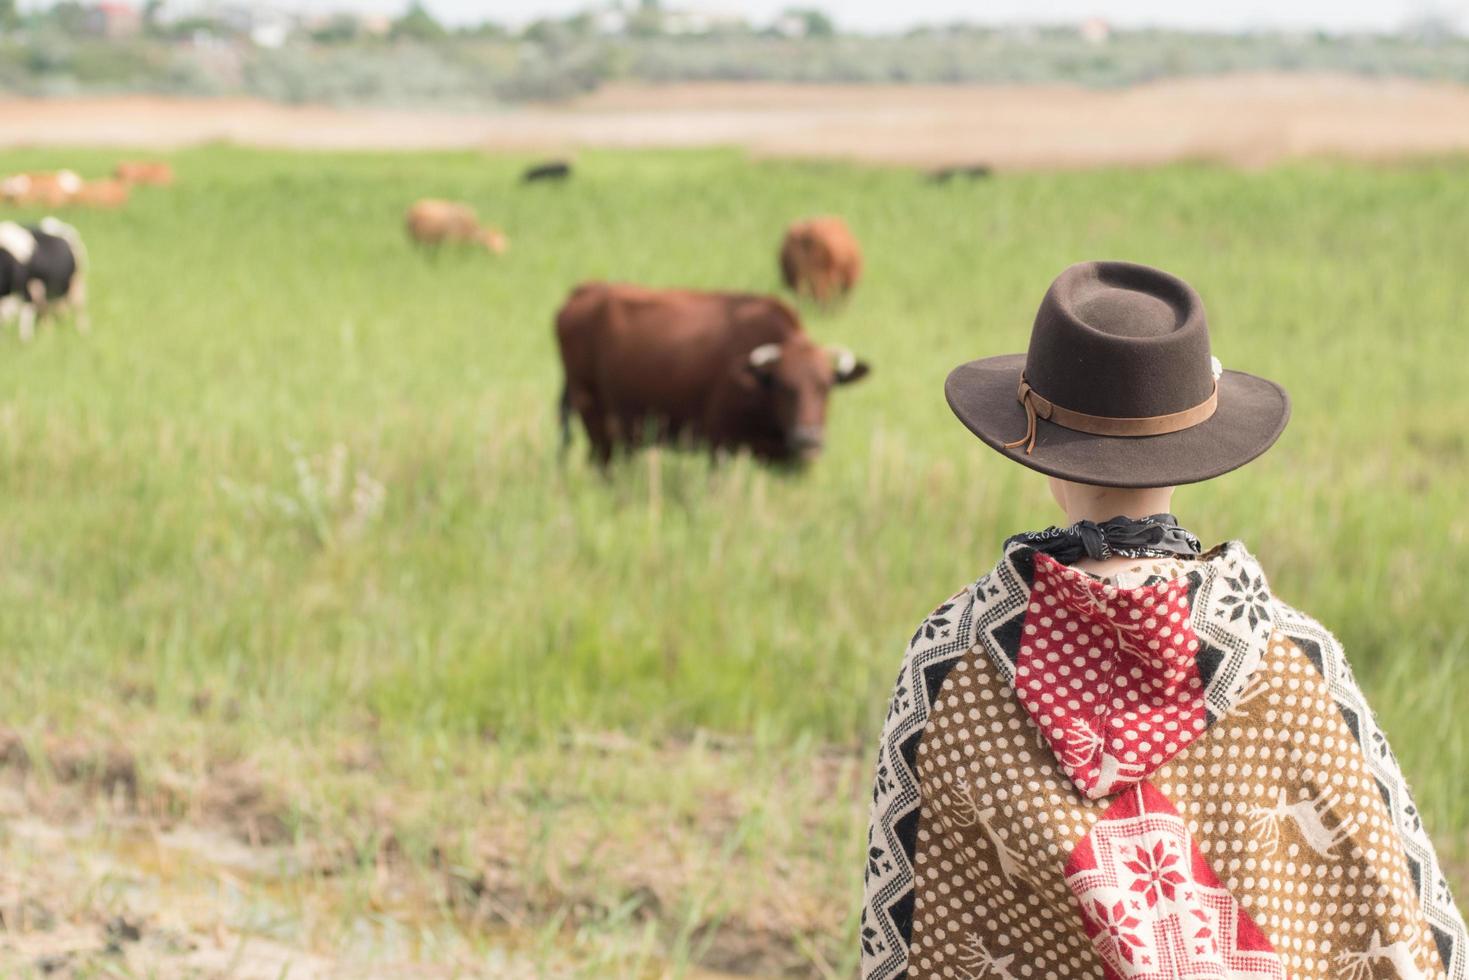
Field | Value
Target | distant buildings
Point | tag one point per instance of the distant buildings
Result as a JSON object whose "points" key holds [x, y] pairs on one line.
{"points": [[375, 25], [212, 21], [1095, 31], [610, 20], [265, 25], [113, 19], [700, 20], [789, 25], [270, 28], [260, 22], [622, 17]]}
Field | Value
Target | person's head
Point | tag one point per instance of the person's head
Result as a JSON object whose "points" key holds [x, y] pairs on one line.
{"points": [[1119, 397]]}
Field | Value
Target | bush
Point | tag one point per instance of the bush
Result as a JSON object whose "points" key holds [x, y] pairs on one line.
{"points": [[561, 59]]}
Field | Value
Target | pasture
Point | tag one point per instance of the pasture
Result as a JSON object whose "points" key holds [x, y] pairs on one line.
{"points": [[288, 551]]}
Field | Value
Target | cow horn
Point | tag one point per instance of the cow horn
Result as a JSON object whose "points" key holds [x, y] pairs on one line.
{"points": [[846, 361], [764, 354]]}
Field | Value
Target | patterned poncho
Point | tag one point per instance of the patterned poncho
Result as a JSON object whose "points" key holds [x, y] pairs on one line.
{"points": [[1151, 776]]}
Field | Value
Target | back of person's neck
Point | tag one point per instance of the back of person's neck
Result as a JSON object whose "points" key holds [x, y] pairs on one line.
{"points": [[1087, 503], [1083, 502]]}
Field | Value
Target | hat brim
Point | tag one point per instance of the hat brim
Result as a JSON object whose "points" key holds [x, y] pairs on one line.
{"points": [[1251, 414]]}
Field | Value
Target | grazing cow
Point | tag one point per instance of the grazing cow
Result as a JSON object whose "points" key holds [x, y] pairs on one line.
{"points": [[154, 172], [433, 222], [820, 258], [968, 171], [42, 272], [17, 246], [557, 170], [731, 370], [48, 189], [102, 194]]}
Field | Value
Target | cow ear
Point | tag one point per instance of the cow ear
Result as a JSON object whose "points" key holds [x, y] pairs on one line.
{"points": [[761, 362], [847, 367]]}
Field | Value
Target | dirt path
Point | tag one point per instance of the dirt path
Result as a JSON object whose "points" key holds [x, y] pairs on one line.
{"points": [[114, 867], [1247, 120], [124, 897]]}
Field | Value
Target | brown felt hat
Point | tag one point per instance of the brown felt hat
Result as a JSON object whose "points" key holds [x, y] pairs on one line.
{"points": [[1119, 388]]}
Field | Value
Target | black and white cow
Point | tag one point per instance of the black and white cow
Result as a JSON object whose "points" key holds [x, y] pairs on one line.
{"points": [[547, 170], [17, 248], [42, 271]]}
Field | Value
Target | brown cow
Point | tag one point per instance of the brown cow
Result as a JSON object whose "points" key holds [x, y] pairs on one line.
{"points": [[820, 258], [49, 189], [102, 194], [154, 172], [433, 222], [729, 370]]}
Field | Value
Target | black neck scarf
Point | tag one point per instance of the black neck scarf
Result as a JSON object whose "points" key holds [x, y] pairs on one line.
{"points": [[1158, 536]]}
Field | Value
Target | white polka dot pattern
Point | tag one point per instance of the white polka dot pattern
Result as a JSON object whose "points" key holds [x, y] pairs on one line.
{"points": [[1109, 675], [973, 817], [1278, 797], [1447, 925]]}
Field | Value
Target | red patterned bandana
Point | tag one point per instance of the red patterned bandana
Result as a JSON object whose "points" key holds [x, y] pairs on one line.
{"points": [[1109, 675]]}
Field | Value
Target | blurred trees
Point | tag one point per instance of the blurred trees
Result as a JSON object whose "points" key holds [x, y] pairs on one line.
{"points": [[417, 24], [343, 58], [337, 28], [647, 20], [67, 16], [814, 22]]}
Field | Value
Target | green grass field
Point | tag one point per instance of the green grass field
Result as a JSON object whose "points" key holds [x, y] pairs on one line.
{"points": [[299, 490]]}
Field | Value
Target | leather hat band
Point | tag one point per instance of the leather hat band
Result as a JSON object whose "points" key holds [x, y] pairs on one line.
{"points": [[1038, 406]]}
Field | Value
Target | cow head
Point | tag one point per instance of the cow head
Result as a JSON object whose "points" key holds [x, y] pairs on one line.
{"points": [[492, 240], [796, 377]]}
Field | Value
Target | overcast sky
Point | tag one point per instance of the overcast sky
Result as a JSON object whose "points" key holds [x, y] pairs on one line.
{"points": [[874, 15]]}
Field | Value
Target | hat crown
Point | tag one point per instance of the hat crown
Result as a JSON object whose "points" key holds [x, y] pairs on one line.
{"points": [[1120, 340]]}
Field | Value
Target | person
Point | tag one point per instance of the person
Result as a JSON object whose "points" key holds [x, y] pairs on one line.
{"points": [[1117, 754]]}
